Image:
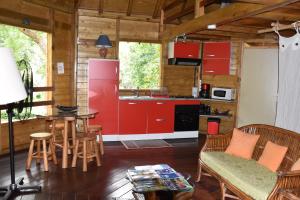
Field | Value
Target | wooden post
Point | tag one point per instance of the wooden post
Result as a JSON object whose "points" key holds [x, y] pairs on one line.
{"points": [[161, 24], [199, 8], [117, 38]]}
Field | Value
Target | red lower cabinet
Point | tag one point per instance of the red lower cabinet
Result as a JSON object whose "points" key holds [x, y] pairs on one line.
{"points": [[132, 117], [160, 117]]}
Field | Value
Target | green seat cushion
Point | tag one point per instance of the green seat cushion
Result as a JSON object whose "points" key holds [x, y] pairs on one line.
{"points": [[250, 177]]}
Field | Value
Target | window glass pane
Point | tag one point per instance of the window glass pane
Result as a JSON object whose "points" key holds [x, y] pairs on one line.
{"points": [[139, 65], [31, 46]]}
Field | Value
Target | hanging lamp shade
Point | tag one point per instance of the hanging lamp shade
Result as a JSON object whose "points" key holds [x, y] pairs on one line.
{"points": [[11, 85], [103, 41]]}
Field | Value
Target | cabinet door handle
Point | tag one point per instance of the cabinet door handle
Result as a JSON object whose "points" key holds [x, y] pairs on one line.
{"points": [[116, 89], [190, 55], [116, 71], [211, 55], [159, 120], [132, 103], [159, 103], [210, 71]]}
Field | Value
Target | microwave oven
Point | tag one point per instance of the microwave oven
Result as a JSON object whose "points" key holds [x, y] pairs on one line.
{"points": [[223, 93]]}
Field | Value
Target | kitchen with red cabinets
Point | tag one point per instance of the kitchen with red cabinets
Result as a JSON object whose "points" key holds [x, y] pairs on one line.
{"points": [[147, 117]]}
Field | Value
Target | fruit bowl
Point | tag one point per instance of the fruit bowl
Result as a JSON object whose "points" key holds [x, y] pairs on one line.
{"points": [[67, 108]]}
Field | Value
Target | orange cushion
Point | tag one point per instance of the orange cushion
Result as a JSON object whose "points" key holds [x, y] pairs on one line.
{"points": [[272, 156], [242, 144], [296, 165]]}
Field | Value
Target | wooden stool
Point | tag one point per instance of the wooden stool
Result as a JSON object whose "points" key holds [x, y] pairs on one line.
{"points": [[83, 142], [41, 137], [64, 142], [97, 129]]}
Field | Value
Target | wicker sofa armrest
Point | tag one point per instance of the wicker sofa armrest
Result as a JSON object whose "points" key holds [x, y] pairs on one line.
{"points": [[286, 180], [217, 142]]}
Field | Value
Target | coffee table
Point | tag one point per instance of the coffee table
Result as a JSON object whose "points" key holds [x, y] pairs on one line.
{"points": [[171, 184]]}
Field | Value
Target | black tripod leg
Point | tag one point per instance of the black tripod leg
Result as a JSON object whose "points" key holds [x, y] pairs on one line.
{"points": [[7, 195], [30, 188]]}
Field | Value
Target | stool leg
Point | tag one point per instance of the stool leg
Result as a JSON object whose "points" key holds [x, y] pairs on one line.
{"points": [[96, 151], [101, 144], [45, 156], [38, 152], [73, 135], [29, 158], [84, 157], [75, 154], [53, 152]]}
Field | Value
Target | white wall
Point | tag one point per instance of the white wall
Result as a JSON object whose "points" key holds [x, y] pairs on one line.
{"points": [[258, 91]]}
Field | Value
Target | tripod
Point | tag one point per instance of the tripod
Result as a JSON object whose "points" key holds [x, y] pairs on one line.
{"points": [[16, 187]]}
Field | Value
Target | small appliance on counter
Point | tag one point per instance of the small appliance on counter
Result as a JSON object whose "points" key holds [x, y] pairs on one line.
{"points": [[223, 93], [195, 92], [213, 125], [205, 90]]}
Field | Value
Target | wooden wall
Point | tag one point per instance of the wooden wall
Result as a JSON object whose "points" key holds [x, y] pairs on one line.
{"points": [[90, 26], [178, 79], [61, 27]]}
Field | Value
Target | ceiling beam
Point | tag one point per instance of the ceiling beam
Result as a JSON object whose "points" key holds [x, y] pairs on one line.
{"points": [[101, 7], [228, 34], [173, 4], [237, 29], [274, 16], [76, 4], [223, 16], [67, 6], [180, 14], [199, 8], [129, 8], [158, 6], [196, 36]]}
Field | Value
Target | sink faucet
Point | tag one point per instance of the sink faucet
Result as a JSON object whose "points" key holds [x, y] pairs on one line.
{"points": [[137, 92]]}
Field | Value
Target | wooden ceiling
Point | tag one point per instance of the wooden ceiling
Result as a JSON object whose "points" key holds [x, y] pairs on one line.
{"points": [[181, 12]]}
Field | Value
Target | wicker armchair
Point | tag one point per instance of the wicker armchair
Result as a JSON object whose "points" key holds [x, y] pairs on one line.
{"points": [[286, 179]]}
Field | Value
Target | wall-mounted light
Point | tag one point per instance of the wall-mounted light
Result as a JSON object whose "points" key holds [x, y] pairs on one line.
{"points": [[103, 43], [211, 26]]}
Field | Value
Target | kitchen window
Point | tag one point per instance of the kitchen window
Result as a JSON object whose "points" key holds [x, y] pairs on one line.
{"points": [[139, 65]]}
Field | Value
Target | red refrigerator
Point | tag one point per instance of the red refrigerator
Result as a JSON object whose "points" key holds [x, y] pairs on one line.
{"points": [[104, 93]]}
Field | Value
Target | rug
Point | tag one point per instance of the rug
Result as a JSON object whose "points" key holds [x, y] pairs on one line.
{"points": [[141, 144]]}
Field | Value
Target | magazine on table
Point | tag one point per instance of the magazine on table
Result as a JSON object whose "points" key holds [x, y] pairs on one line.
{"points": [[157, 177]]}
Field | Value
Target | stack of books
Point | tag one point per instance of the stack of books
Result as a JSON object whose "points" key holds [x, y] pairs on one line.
{"points": [[157, 177]]}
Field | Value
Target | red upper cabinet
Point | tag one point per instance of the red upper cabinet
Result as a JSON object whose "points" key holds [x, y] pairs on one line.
{"points": [[103, 69], [216, 66], [184, 50], [216, 58], [161, 117], [216, 50]]}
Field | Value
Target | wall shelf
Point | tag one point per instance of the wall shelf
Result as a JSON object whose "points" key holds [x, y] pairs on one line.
{"points": [[217, 100], [217, 116]]}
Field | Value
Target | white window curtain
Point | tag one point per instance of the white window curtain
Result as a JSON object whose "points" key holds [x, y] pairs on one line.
{"points": [[288, 103]]}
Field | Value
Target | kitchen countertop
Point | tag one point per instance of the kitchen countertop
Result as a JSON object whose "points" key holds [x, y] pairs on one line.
{"points": [[148, 98]]}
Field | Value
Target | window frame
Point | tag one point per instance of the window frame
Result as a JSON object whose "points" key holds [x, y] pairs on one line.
{"points": [[49, 89], [160, 63]]}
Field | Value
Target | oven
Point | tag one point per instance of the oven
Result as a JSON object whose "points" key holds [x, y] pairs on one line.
{"points": [[186, 117]]}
